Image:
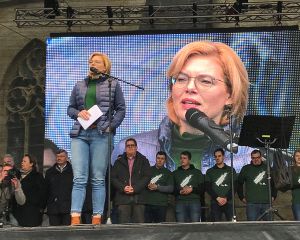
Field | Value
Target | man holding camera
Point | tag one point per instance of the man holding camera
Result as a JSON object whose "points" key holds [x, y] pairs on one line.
{"points": [[9, 186]]}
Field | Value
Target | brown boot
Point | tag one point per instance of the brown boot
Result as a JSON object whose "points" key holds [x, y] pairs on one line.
{"points": [[75, 220], [96, 220]]}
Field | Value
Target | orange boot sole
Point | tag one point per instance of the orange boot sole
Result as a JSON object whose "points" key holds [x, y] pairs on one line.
{"points": [[96, 220], [75, 220]]}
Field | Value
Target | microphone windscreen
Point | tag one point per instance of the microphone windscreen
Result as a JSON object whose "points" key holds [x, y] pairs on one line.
{"points": [[94, 70], [193, 113]]}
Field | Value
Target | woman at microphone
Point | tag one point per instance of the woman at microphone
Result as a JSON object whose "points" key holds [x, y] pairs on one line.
{"points": [[89, 147], [211, 78]]}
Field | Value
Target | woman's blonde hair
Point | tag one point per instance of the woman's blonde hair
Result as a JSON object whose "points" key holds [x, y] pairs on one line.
{"points": [[106, 61], [235, 74]]}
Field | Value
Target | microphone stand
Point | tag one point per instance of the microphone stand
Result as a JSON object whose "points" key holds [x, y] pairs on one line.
{"points": [[231, 164], [120, 80], [110, 78]]}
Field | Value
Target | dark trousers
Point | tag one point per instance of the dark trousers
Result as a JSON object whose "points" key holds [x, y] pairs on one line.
{"points": [[217, 211], [59, 219], [131, 213], [155, 214]]}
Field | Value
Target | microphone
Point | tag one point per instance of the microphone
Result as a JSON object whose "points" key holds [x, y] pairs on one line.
{"points": [[95, 70], [216, 133]]}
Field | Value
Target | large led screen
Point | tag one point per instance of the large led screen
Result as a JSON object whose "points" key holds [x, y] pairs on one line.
{"points": [[272, 60]]}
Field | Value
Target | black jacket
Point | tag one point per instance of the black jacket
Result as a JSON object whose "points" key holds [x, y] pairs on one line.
{"points": [[59, 188], [30, 214], [141, 175]]}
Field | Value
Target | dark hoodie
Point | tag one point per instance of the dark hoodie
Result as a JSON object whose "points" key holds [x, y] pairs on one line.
{"points": [[188, 177]]}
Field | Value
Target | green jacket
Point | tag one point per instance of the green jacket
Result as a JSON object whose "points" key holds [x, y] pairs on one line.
{"points": [[256, 185], [163, 178], [218, 182], [189, 177], [296, 185]]}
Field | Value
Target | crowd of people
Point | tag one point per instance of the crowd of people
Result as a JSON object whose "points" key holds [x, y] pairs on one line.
{"points": [[141, 193]]}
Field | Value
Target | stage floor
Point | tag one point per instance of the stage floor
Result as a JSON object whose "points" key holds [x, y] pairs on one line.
{"points": [[281, 230]]}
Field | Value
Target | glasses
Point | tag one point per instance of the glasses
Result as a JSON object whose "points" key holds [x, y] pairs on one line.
{"points": [[201, 81], [130, 145]]}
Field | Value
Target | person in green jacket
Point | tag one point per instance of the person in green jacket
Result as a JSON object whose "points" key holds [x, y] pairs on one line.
{"points": [[254, 176], [160, 185], [219, 187], [189, 186]]}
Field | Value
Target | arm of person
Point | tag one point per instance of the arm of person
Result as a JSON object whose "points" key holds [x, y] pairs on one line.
{"points": [[119, 107], [18, 191], [208, 186], [200, 187], [42, 192], [116, 182], [73, 108], [169, 187], [209, 190], [177, 187], [165, 189], [240, 185], [229, 193], [143, 181]]}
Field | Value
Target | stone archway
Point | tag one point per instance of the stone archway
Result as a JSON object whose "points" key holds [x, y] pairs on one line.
{"points": [[23, 101]]}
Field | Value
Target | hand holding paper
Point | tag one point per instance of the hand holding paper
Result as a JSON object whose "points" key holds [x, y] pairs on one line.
{"points": [[95, 113]]}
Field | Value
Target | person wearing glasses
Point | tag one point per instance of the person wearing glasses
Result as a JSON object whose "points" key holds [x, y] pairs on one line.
{"points": [[130, 176], [210, 77], [253, 188], [89, 147]]}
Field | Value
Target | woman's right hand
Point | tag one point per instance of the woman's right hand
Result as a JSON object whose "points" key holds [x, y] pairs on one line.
{"points": [[84, 114]]}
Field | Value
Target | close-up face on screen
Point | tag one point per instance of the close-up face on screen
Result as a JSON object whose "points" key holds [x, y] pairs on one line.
{"points": [[271, 59]]}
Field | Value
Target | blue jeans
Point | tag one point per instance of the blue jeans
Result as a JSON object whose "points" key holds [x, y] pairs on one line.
{"points": [[89, 162], [188, 212], [296, 211], [255, 210]]}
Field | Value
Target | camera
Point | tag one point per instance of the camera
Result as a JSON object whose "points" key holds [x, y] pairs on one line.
{"points": [[11, 173]]}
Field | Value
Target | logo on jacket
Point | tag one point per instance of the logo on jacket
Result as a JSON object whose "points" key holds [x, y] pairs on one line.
{"points": [[155, 179], [186, 181], [259, 178], [221, 179]]}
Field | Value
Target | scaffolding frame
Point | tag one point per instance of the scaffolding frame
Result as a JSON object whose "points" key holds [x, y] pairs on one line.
{"points": [[231, 14]]}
